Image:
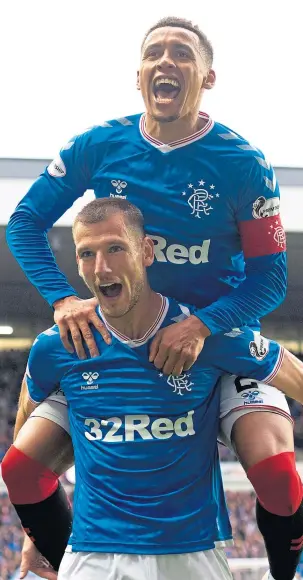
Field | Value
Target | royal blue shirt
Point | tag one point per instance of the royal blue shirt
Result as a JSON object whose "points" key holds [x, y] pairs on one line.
{"points": [[148, 478], [210, 203]]}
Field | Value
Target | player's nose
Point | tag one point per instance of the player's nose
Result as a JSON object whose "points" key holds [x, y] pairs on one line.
{"points": [[101, 265], [166, 61]]}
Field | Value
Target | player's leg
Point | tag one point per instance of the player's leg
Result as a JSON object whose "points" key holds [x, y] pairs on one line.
{"points": [[269, 461], [42, 452], [261, 434]]}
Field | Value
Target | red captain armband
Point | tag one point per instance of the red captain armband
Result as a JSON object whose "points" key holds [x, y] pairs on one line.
{"points": [[261, 237]]}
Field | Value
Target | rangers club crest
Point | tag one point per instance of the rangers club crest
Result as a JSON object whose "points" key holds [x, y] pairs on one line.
{"points": [[180, 384], [201, 200], [278, 233]]}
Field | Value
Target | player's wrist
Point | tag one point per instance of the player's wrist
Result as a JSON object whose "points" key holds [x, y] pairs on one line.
{"points": [[65, 300], [200, 328]]}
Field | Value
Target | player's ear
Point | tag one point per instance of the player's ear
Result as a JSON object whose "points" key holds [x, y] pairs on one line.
{"points": [[210, 80], [148, 251], [138, 80]]}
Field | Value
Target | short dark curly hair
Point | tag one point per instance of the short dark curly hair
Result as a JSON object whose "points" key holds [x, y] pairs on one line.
{"points": [[205, 45]]}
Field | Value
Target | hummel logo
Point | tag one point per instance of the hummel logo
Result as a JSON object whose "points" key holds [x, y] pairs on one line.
{"points": [[90, 377]]}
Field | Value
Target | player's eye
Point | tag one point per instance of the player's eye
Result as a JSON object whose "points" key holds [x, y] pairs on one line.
{"points": [[115, 248], [183, 54], [151, 54], [86, 254]]}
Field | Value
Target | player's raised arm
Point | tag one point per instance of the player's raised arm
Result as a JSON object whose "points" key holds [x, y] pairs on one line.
{"points": [[64, 180], [55, 191], [263, 243]]}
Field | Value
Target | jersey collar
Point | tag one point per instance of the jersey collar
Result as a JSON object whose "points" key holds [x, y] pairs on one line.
{"points": [[133, 343], [167, 147]]}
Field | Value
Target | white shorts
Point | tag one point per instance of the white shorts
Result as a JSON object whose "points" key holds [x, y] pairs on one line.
{"points": [[239, 396], [54, 408], [207, 565]]}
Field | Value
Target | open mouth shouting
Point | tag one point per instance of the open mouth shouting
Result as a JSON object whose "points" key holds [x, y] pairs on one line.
{"points": [[111, 290], [166, 89]]}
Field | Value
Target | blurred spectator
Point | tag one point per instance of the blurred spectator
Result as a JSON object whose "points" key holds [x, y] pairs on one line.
{"points": [[12, 367], [11, 538], [226, 454], [248, 542]]}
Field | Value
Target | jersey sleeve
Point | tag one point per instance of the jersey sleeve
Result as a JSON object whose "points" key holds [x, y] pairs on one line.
{"points": [[245, 353], [263, 241], [55, 191], [45, 367], [257, 210]]}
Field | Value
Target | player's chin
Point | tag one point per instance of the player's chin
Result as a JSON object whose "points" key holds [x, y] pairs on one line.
{"points": [[114, 306], [166, 112], [166, 116], [115, 310]]}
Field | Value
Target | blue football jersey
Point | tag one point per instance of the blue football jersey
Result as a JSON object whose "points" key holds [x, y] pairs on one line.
{"points": [[210, 203], [148, 477]]}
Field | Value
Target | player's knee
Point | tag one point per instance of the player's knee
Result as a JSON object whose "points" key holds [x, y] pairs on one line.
{"points": [[9, 474], [277, 483], [27, 480]]}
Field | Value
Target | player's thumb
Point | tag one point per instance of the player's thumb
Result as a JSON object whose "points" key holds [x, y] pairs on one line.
{"points": [[23, 569]]}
